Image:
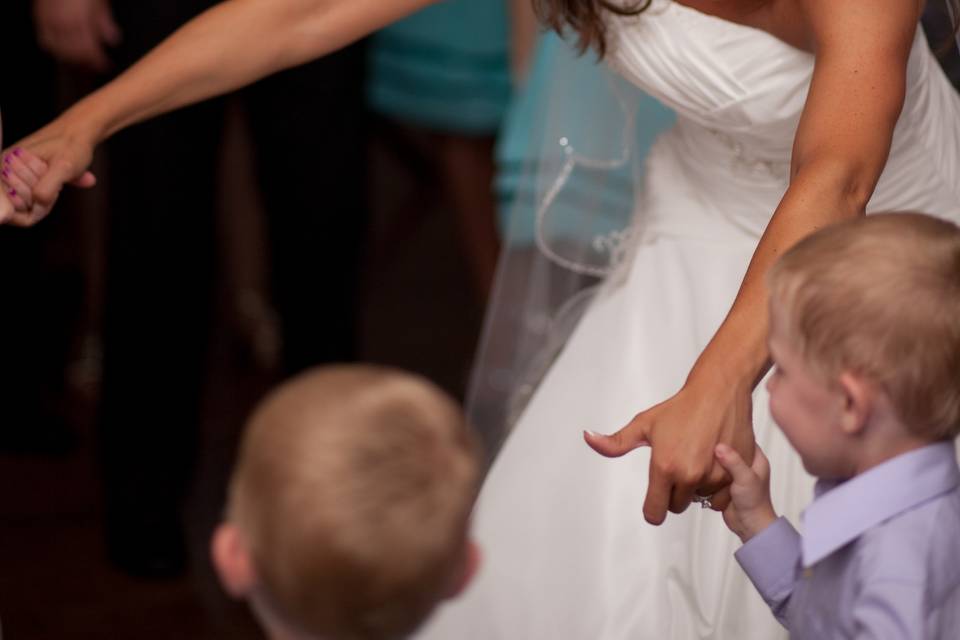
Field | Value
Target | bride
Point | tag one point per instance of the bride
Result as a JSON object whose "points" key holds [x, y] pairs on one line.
{"points": [[792, 115]]}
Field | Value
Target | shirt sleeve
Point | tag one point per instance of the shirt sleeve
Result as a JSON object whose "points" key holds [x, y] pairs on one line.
{"points": [[890, 610], [771, 560]]}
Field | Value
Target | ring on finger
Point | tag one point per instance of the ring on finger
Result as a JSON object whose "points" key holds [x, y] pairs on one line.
{"points": [[703, 501]]}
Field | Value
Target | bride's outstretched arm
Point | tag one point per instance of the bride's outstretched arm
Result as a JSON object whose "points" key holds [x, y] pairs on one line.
{"points": [[840, 149], [231, 45]]}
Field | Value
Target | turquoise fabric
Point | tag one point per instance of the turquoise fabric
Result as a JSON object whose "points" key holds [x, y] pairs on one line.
{"points": [[446, 67]]}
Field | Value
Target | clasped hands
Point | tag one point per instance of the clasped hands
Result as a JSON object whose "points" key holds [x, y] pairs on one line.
{"points": [[34, 171], [684, 432]]}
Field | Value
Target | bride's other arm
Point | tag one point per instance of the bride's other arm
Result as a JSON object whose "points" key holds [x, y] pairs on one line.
{"points": [[840, 149], [231, 45]]}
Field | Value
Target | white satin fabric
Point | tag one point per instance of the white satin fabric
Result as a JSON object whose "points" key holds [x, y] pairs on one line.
{"points": [[567, 554]]}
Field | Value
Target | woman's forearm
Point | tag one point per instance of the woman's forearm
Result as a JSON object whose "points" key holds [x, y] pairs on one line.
{"points": [[229, 46], [821, 193], [524, 29]]}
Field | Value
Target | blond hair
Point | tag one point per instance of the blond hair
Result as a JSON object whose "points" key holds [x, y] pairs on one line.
{"points": [[353, 489], [880, 296]]}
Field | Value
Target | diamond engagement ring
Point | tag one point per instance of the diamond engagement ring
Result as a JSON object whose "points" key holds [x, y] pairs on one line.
{"points": [[704, 501]]}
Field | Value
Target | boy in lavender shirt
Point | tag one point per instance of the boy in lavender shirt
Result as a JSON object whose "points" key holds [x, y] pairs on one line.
{"points": [[865, 337]]}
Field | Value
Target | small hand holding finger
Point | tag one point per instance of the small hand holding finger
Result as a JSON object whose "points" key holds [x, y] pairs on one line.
{"points": [[750, 509]]}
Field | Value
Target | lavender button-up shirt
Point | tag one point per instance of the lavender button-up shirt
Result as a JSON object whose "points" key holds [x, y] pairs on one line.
{"points": [[880, 558]]}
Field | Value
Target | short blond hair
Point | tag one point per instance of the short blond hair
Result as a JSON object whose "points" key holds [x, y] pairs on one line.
{"points": [[880, 296], [353, 488]]}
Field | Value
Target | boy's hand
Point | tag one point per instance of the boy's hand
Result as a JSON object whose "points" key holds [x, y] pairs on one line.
{"points": [[750, 510]]}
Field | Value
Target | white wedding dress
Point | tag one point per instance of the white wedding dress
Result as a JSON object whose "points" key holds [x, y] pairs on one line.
{"points": [[567, 554]]}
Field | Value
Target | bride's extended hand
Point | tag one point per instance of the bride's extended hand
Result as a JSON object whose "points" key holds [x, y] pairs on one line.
{"points": [[37, 168], [683, 432]]}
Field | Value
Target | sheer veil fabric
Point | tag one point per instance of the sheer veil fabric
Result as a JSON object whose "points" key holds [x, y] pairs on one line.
{"points": [[571, 178], [567, 554]]}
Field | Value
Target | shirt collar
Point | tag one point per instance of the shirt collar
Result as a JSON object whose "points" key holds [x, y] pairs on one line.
{"points": [[842, 511]]}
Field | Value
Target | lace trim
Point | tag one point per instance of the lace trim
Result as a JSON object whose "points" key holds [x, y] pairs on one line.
{"points": [[615, 241], [743, 161]]}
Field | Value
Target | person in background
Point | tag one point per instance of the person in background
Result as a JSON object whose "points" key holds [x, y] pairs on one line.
{"points": [[308, 130], [441, 81], [42, 282]]}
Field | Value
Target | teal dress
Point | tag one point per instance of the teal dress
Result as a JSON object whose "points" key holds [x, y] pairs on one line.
{"points": [[446, 68], [522, 136]]}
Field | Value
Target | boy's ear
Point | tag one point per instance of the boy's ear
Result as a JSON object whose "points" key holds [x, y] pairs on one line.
{"points": [[232, 561], [468, 569], [858, 400]]}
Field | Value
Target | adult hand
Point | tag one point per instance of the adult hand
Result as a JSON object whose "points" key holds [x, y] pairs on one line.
{"points": [[20, 171], [7, 209], [683, 432], [39, 166], [77, 31]]}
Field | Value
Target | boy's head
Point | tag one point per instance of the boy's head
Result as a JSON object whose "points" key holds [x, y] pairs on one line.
{"points": [[865, 332], [348, 508]]}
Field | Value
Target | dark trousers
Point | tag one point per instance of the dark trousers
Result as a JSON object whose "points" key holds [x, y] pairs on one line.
{"points": [[40, 282], [309, 139]]}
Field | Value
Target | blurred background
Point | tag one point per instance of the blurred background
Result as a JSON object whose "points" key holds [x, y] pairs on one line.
{"points": [[346, 210], [339, 211]]}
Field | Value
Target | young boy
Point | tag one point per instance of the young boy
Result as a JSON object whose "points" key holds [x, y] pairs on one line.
{"points": [[865, 337], [348, 507]]}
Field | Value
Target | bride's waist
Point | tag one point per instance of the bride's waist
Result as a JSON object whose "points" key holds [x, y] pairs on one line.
{"points": [[707, 183], [757, 154]]}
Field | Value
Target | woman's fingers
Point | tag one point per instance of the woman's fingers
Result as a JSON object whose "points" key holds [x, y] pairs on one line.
{"points": [[18, 190], [34, 163], [48, 188], [730, 460], [20, 172], [6, 208], [680, 497], [85, 181], [659, 490], [20, 178], [617, 444], [22, 219], [720, 500]]}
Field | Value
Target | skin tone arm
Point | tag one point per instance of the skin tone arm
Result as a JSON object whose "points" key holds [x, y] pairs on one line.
{"points": [[840, 149], [523, 38], [229, 46]]}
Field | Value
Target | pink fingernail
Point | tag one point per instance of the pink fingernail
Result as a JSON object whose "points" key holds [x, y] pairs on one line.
{"points": [[16, 152], [12, 192], [5, 173]]}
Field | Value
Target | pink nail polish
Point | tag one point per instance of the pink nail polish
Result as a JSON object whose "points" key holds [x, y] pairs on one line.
{"points": [[17, 151], [5, 173], [12, 192]]}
